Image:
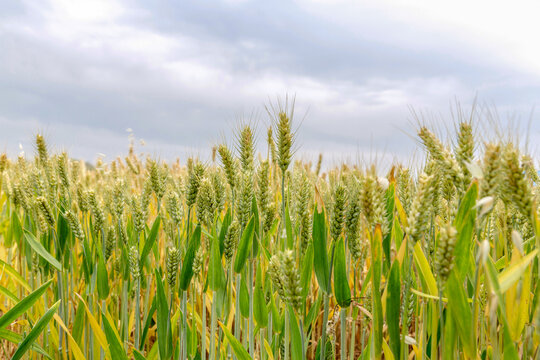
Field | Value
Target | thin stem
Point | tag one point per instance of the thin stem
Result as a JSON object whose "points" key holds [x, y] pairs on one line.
{"points": [[213, 324], [203, 335], [251, 322], [287, 335], [325, 320], [343, 323]]}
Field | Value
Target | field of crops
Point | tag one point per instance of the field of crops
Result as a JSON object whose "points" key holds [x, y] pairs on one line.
{"points": [[259, 256]]}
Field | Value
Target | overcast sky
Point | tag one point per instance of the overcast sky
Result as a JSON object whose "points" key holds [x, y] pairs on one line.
{"points": [[181, 75]]}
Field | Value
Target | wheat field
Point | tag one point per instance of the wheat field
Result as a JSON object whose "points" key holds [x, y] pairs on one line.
{"points": [[257, 255]]}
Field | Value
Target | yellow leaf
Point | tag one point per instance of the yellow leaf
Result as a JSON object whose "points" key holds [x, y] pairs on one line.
{"points": [[512, 274], [100, 335], [268, 350], [425, 270], [77, 353]]}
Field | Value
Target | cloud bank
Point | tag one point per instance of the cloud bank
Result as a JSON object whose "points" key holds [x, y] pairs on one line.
{"points": [[181, 75]]}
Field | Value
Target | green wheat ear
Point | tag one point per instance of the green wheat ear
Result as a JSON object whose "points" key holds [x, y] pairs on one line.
{"points": [[231, 240], [442, 156], [465, 149], [228, 164], [245, 199], [110, 242], [206, 203], [172, 203], [173, 260], [284, 141], [194, 181], [3, 162], [418, 217], [134, 263], [74, 224], [246, 148], [444, 257], [45, 210], [42, 151], [517, 187], [491, 170], [319, 163], [338, 211], [271, 145]]}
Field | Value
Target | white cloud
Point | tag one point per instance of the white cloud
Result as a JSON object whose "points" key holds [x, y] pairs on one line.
{"points": [[95, 68]]}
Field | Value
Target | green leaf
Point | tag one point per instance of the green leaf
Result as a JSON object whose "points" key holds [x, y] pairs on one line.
{"points": [[244, 246], [277, 319], [461, 312], [23, 305], [236, 346], [313, 312], [296, 336], [6, 268], [150, 239], [164, 334], [15, 338], [244, 298], [36, 245], [260, 310], [510, 351], [307, 269], [288, 228], [28, 341], [16, 226], [102, 278], [256, 219], [464, 223], [342, 290], [450, 338], [62, 229], [223, 231], [4, 291], [115, 346], [216, 275], [376, 258], [78, 324], [425, 271], [186, 274], [137, 355], [393, 306], [329, 350], [148, 322], [321, 266]]}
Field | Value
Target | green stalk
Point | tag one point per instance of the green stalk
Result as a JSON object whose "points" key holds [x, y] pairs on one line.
{"points": [[343, 324], [237, 316], [303, 338], [213, 324], [325, 320], [251, 321], [60, 312], [137, 306], [184, 324], [125, 311], [270, 333], [192, 297], [353, 332], [282, 223], [326, 305], [138, 314], [287, 326], [441, 319], [203, 336], [404, 318]]}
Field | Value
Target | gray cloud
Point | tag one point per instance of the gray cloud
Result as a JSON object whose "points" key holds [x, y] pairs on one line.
{"points": [[181, 75]]}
